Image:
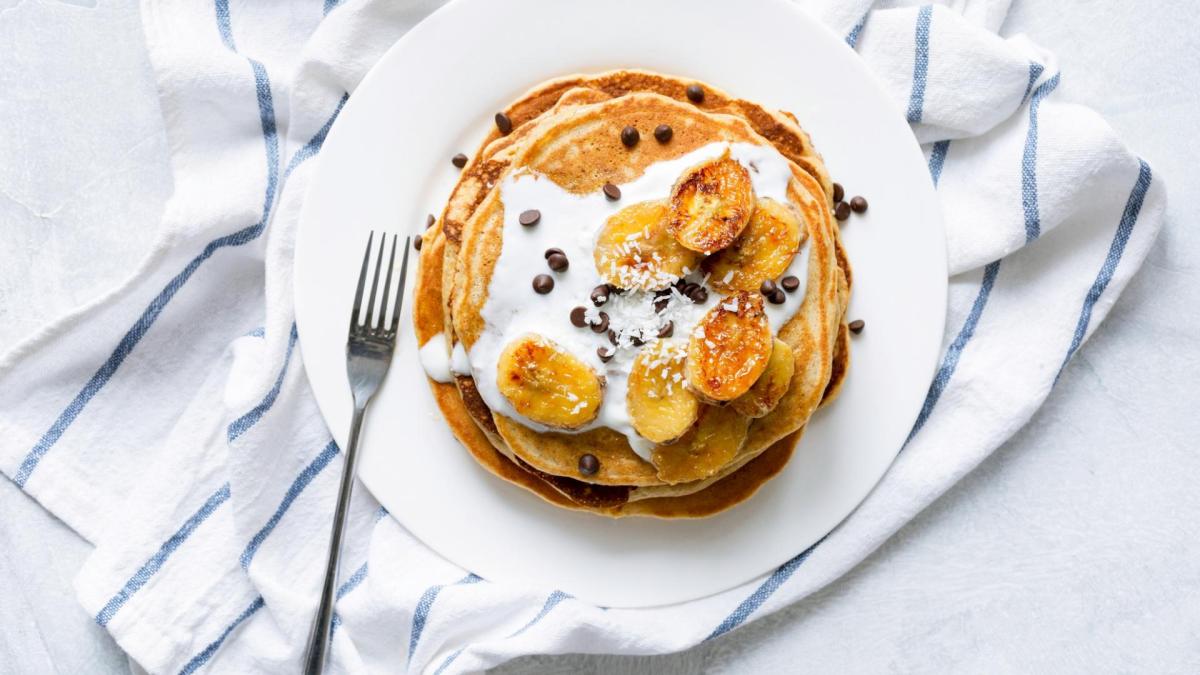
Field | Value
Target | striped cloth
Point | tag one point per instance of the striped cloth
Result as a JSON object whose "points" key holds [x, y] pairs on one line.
{"points": [[171, 425]]}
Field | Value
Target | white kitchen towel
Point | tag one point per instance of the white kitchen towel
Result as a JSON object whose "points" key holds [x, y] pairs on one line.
{"points": [[170, 423]]}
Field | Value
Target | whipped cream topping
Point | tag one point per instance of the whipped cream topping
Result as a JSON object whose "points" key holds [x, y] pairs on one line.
{"points": [[572, 222]]}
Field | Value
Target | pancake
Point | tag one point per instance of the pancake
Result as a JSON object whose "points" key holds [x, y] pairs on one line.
{"points": [[568, 131], [483, 444]]}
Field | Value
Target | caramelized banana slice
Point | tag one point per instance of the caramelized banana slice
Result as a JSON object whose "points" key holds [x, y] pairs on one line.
{"points": [[660, 406], [548, 385], [635, 251], [771, 385], [711, 204], [729, 348], [763, 251], [704, 450]]}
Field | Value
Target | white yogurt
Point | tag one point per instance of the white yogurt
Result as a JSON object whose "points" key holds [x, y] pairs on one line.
{"points": [[572, 223], [459, 363], [435, 359]]}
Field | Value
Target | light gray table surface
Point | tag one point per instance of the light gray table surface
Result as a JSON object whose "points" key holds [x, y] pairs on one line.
{"points": [[1075, 548]]}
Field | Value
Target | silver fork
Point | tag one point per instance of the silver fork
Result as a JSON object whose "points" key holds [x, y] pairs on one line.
{"points": [[369, 350]]}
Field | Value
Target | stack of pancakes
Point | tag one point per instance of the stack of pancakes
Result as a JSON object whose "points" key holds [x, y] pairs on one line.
{"points": [[739, 433]]}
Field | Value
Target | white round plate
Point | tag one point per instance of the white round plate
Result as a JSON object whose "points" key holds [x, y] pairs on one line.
{"points": [[386, 165]]}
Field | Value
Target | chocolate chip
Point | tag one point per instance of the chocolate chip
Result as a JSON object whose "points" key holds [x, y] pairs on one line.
{"points": [[636, 340], [680, 284], [699, 296], [858, 204], [612, 192], [689, 288], [503, 123], [551, 251], [459, 160], [667, 330], [606, 353], [695, 93], [612, 336], [579, 317], [663, 133], [839, 192], [790, 284], [600, 294], [660, 304], [768, 287], [529, 218], [588, 464], [558, 262], [841, 211], [777, 297], [543, 284], [856, 326], [417, 243], [429, 221], [600, 324], [630, 137]]}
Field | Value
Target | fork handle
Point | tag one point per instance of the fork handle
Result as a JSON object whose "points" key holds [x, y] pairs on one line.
{"points": [[318, 639]]}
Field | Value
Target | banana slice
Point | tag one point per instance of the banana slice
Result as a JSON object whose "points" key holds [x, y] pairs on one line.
{"points": [[771, 385], [548, 385], [711, 204], [763, 251], [635, 251], [660, 406], [729, 348], [704, 450]]}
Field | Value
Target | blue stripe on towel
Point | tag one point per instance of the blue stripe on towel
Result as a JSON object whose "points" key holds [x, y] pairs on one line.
{"points": [[207, 653], [151, 566], [352, 583], [764, 591], [224, 26], [1029, 186], [266, 108], [954, 352], [1035, 71], [937, 159], [424, 605], [449, 660], [551, 602], [314, 144], [266, 111], [348, 585], [916, 99], [852, 37], [243, 423], [1133, 206], [306, 476]]}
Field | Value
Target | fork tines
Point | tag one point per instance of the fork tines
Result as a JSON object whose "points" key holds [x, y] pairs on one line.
{"points": [[386, 325]]}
